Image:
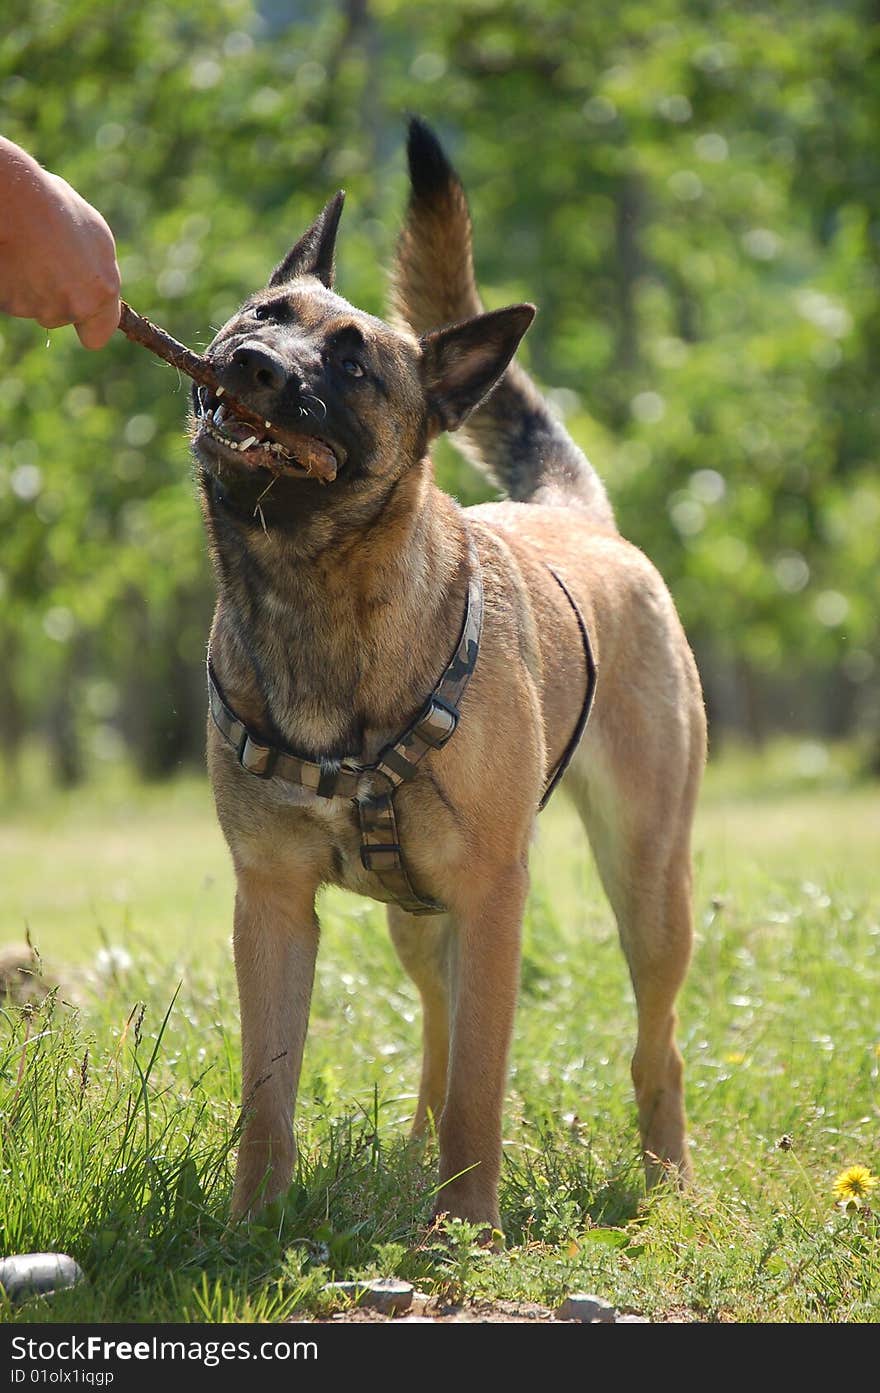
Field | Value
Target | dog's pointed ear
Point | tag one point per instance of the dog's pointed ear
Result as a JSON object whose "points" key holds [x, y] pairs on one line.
{"points": [[461, 364], [313, 253]]}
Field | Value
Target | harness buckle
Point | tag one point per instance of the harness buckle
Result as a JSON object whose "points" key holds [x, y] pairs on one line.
{"points": [[436, 724], [388, 854], [255, 758]]}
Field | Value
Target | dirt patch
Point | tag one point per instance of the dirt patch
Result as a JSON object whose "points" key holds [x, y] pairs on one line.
{"points": [[432, 1310], [425, 1310]]}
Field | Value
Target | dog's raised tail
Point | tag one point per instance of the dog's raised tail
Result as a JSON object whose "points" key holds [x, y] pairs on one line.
{"points": [[513, 436]]}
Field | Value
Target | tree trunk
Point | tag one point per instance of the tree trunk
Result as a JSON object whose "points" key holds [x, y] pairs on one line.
{"points": [[754, 715], [65, 746], [12, 714], [628, 209]]}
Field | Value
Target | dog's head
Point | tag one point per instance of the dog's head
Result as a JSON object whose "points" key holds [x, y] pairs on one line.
{"points": [[308, 362]]}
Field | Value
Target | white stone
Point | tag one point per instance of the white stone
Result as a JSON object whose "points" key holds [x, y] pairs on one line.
{"points": [[28, 1274], [384, 1294], [580, 1306]]}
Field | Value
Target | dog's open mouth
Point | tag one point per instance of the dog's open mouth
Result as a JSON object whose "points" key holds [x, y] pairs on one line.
{"points": [[299, 456]]}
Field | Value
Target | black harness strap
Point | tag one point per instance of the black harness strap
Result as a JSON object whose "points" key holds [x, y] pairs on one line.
{"points": [[587, 707], [372, 786]]}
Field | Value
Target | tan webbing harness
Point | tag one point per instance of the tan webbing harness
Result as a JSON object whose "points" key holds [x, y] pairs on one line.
{"points": [[371, 787]]}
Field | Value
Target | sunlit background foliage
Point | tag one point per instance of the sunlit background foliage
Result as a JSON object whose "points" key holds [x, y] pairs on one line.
{"points": [[689, 191]]}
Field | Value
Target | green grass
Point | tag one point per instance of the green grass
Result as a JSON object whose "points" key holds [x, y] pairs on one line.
{"points": [[118, 1127]]}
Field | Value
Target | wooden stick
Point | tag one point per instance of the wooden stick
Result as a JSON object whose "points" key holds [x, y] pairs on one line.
{"points": [[310, 454]]}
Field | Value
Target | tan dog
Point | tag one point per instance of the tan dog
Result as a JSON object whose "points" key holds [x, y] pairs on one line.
{"points": [[339, 609]]}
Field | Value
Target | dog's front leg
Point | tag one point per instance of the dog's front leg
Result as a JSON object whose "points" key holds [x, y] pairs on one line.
{"points": [[424, 947], [485, 979], [276, 945]]}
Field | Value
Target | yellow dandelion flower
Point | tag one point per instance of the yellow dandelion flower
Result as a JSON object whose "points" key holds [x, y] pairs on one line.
{"points": [[855, 1184]]}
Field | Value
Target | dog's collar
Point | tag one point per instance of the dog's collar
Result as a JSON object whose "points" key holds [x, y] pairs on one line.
{"points": [[372, 786]]}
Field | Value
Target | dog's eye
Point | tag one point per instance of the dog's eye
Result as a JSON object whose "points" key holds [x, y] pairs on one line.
{"points": [[352, 367], [262, 312]]}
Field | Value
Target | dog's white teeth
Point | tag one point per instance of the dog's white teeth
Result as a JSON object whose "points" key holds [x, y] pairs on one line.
{"points": [[219, 414], [220, 391], [246, 444]]}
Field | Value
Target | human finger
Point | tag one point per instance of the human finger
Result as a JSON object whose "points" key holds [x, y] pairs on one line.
{"points": [[99, 328]]}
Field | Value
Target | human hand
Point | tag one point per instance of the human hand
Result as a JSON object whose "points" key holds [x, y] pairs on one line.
{"points": [[57, 254]]}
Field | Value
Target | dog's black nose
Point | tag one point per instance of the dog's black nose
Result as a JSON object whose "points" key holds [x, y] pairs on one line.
{"points": [[256, 366]]}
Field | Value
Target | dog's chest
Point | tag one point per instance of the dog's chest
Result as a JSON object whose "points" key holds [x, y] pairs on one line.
{"points": [[281, 829], [328, 828]]}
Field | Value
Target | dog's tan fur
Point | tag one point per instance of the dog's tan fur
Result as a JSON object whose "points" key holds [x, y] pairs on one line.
{"points": [[378, 596]]}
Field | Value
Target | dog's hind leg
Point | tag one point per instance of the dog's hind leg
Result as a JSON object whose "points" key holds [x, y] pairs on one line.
{"points": [[637, 805], [424, 945]]}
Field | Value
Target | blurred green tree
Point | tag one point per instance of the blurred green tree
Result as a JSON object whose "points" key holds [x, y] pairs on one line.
{"points": [[689, 192]]}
